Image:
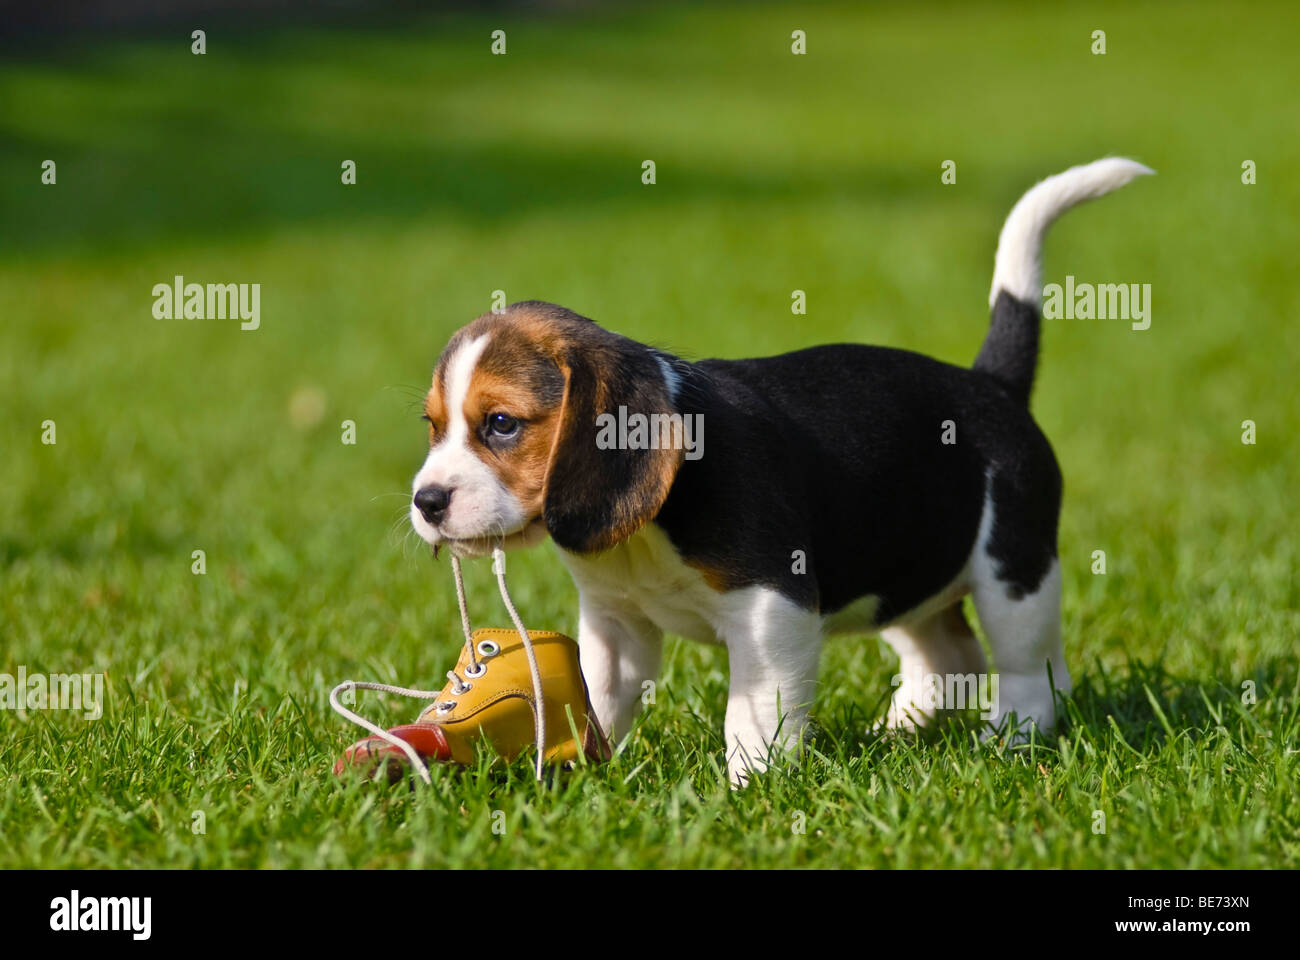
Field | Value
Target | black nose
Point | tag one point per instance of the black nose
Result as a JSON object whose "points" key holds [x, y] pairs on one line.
{"points": [[432, 502]]}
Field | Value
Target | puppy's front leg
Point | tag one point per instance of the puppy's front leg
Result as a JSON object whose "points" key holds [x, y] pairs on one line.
{"points": [[619, 649], [774, 646]]}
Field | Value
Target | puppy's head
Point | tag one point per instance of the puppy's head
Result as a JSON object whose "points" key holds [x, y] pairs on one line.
{"points": [[513, 428]]}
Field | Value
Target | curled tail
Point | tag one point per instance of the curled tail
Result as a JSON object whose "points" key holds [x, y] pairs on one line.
{"points": [[1010, 350]]}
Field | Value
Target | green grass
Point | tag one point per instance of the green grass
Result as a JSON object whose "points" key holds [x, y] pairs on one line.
{"points": [[522, 173]]}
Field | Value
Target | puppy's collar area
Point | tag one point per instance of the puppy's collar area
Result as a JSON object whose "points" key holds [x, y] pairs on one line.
{"points": [[686, 381], [475, 669], [672, 380]]}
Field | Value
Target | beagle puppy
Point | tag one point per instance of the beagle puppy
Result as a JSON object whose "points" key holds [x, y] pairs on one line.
{"points": [[841, 487]]}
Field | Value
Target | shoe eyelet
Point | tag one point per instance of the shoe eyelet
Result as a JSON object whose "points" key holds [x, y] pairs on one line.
{"points": [[471, 672], [445, 706], [488, 648]]}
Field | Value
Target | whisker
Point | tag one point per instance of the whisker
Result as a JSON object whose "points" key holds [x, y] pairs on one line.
{"points": [[413, 396]]}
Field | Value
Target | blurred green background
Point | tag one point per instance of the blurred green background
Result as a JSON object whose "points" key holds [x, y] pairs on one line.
{"points": [[523, 173]]}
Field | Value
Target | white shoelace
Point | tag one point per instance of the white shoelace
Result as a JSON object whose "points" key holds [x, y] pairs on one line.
{"points": [[417, 763]]}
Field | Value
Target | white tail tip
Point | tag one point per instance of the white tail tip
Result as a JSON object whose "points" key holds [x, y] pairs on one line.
{"points": [[1017, 268]]}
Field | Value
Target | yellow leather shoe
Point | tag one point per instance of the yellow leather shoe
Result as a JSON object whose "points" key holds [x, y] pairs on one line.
{"points": [[490, 696]]}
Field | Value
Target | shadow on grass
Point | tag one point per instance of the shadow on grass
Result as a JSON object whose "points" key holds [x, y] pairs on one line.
{"points": [[1145, 705]]}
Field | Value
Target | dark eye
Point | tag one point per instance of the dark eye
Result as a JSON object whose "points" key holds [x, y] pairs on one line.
{"points": [[502, 425]]}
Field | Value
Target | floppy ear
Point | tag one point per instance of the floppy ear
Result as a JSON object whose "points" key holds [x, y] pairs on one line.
{"points": [[596, 498]]}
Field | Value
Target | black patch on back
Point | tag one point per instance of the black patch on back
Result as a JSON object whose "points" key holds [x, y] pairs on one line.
{"points": [[836, 451]]}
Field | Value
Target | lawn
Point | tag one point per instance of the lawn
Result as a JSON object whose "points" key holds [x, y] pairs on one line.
{"points": [[522, 173]]}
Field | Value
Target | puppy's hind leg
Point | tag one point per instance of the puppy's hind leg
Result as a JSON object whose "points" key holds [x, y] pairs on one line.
{"points": [[1024, 633], [1015, 578], [937, 655]]}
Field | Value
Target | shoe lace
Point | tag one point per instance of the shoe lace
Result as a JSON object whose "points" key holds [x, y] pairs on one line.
{"points": [[539, 712]]}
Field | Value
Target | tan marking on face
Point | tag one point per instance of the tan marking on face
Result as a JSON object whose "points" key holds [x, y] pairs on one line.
{"points": [[435, 410], [522, 463]]}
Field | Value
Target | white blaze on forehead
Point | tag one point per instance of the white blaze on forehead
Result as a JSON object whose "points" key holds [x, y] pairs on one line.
{"points": [[480, 505], [455, 387]]}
